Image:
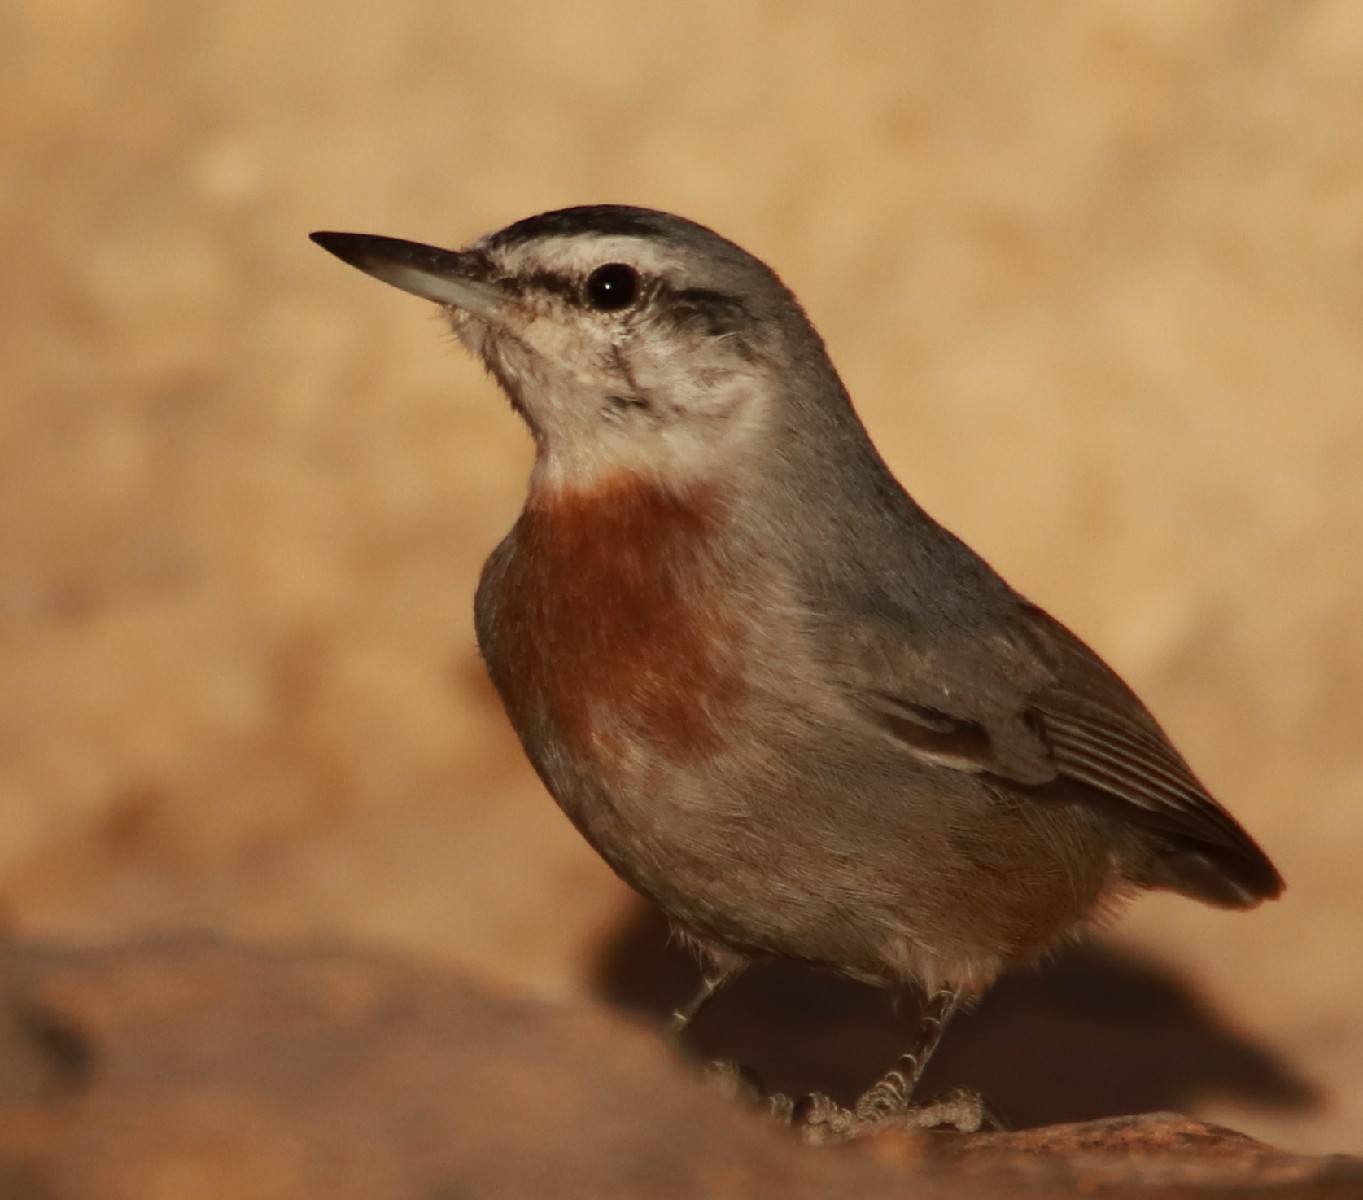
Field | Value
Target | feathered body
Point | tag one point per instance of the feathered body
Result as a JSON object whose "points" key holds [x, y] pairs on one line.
{"points": [[775, 695], [781, 788]]}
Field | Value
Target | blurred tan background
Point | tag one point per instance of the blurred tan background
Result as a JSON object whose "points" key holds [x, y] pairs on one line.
{"points": [[1094, 273]]}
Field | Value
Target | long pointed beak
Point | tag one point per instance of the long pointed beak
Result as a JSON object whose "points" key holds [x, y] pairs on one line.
{"points": [[425, 271]]}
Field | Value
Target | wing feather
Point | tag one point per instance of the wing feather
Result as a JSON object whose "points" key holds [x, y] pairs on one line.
{"points": [[1032, 705]]}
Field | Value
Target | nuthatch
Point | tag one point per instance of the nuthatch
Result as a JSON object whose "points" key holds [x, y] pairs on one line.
{"points": [[776, 696]]}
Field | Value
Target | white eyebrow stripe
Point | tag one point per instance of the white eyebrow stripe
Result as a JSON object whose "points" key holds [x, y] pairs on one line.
{"points": [[576, 254]]}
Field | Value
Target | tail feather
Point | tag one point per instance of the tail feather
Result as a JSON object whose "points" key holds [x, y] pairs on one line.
{"points": [[1215, 876]]}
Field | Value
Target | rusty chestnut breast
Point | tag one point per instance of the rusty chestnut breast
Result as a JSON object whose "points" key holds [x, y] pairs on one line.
{"points": [[773, 693], [603, 616]]}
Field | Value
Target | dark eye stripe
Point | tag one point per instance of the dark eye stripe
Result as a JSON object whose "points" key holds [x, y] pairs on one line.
{"points": [[542, 281], [715, 312]]}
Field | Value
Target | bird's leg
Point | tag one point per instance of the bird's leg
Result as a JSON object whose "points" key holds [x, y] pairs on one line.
{"points": [[715, 973], [888, 1103], [891, 1095], [718, 968], [821, 1119]]}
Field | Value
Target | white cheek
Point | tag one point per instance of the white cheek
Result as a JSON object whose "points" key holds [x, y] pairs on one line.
{"points": [[704, 380], [580, 355], [472, 332]]}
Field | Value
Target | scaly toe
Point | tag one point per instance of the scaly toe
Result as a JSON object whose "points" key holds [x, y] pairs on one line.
{"points": [[882, 1100], [960, 1109], [821, 1120]]}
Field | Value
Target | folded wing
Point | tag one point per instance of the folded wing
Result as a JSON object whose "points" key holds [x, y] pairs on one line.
{"points": [[1028, 703]]}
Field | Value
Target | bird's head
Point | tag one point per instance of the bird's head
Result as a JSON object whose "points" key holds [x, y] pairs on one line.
{"points": [[629, 340]]}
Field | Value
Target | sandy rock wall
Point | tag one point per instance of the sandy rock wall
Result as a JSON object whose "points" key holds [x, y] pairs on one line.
{"points": [[1093, 273]]}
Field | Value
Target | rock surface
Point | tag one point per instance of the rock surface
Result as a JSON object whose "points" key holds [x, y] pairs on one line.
{"points": [[191, 1068]]}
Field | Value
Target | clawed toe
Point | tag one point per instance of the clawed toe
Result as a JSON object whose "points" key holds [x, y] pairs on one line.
{"points": [[819, 1120], [889, 1097], [960, 1109], [816, 1117]]}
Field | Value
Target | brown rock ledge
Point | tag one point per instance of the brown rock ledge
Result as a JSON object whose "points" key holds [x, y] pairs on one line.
{"points": [[192, 1068]]}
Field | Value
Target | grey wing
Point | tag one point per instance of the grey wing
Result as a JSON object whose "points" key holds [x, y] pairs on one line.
{"points": [[1027, 702]]}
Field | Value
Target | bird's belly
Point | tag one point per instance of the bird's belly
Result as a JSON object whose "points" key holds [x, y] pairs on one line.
{"points": [[775, 848]]}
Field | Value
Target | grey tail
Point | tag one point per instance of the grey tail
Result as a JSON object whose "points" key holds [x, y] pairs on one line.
{"points": [[1228, 878]]}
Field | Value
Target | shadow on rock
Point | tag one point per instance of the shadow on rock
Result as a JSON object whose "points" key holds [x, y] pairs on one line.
{"points": [[1096, 1032]]}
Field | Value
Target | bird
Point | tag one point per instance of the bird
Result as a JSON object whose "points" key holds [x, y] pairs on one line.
{"points": [[778, 698]]}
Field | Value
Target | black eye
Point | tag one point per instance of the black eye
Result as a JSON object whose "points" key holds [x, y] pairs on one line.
{"points": [[612, 287]]}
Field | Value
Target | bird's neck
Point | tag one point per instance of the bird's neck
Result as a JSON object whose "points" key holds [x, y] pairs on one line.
{"points": [[626, 514]]}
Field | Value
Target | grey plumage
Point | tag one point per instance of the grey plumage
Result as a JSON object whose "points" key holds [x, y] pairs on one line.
{"points": [[774, 694]]}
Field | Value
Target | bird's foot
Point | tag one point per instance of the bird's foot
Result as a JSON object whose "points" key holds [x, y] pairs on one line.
{"points": [[807, 1113], [959, 1109], [822, 1121]]}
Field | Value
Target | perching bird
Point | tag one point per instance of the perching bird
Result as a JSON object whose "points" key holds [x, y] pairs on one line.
{"points": [[776, 696]]}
